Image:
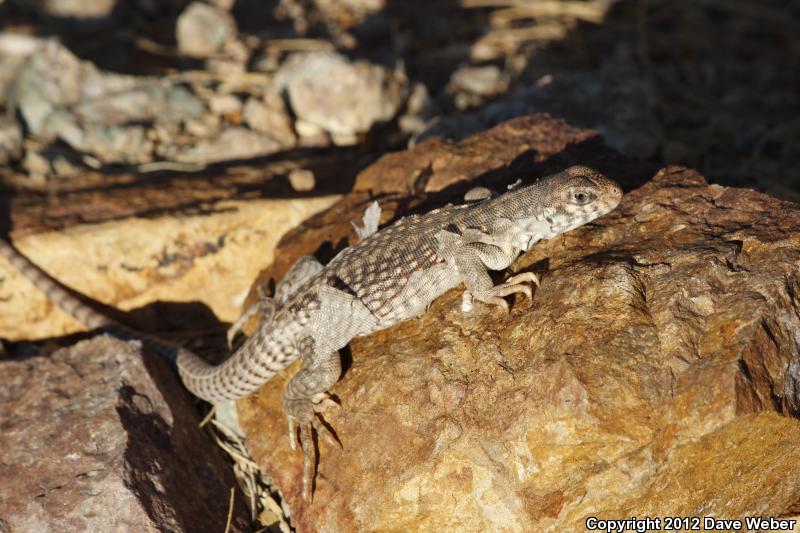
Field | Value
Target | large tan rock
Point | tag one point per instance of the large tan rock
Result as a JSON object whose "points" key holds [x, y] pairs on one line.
{"points": [[210, 258], [97, 437], [654, 373]]}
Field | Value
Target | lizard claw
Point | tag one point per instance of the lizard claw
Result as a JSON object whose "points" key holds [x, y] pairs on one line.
{"points": [[499, 302], [323, 401], [495, 295], [525, 277], [305, 437], [302, 426]]}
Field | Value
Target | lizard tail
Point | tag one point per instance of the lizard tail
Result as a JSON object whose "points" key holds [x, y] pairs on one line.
{"points": [[55, 292], [249, 367]]}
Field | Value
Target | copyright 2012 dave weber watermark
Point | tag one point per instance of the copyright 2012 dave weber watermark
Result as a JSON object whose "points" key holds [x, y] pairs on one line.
{"points": [[689, 523]]}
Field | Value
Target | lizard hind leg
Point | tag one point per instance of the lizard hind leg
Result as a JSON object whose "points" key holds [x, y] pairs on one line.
{"points": [[300, 272], [305, 400], [265, 308]]}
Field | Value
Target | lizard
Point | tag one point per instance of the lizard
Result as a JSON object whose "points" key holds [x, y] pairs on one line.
{"points": [[391, 275]]}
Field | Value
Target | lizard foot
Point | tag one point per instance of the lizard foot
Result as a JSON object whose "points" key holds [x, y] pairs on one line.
{"points": [[495, 295], [305, 418]]}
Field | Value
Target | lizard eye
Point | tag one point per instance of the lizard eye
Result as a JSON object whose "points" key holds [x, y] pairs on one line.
{"points": [[581, 197]]}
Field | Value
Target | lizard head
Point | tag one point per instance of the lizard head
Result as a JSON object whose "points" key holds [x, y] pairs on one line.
{"points": [[576, 196], [556, 204]]}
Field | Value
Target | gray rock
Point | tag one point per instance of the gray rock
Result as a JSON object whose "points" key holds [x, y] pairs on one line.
{"points": [[268, 115], [113, 145], [343, 98], [231, 60], [98, 437], [104, 115], [202, 30], [53, 78], [472, 85], [149, 100], [232, 143], [10, 140], [15, 49], [419, 111], [225, 104]]}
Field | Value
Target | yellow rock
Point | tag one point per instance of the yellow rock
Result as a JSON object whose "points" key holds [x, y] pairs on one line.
{"points": [[210, 258]]}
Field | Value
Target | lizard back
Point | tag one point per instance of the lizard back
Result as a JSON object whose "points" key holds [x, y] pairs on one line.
{"points": [[378, 269]]}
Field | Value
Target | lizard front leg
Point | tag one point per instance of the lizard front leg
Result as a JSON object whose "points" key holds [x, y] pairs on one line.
{"points": [[473, 259]]}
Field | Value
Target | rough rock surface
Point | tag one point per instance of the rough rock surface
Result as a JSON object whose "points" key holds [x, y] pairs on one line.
{"points": [[97, 437], [646, 377]]}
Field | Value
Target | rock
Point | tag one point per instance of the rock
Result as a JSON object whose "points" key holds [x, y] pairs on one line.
{"points": [[15, 49], [420, 110], [101, 114], [473, 85], [202, 30], [231, 61], [225, 5], [203, 127], [268, 115], [336, 16], [646, 377], [109, 144], [146, 99], [302, 180], [10, 141], [53, 160], [76, 9], [210, 257], [225, 104], [98, 437], [37, 167], [311, 134], [127, 120], [52, 78], [232, 143], [343, 98]]}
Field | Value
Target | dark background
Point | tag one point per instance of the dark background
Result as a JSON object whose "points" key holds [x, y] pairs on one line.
{"points": [[722, 77]]}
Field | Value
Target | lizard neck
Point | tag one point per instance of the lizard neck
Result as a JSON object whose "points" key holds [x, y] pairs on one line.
{"points": [[522, 234]]}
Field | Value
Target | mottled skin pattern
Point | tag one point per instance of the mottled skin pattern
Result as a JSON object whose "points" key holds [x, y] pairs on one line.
{"points": [[390, 276]]}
